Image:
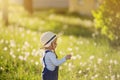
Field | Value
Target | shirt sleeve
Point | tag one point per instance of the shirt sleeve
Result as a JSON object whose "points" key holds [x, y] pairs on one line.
{"points": [[54, 60]]}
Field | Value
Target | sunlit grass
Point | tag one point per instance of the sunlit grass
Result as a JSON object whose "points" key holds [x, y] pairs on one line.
{"points": [[20, 55]]}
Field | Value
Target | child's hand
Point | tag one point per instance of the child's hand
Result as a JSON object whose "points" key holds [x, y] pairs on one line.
{"points": [[68, 56]]}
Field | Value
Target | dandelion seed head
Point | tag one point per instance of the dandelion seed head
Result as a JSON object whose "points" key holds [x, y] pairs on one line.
{"points": [[118, 76], [1, 68], [115, 62], [92, 57], [36, 63], [111, 61], [99, 60], [1, 41], [5, 48], [74, 57], [80, 71], [12, 43], [21, 57], [69, 49]]}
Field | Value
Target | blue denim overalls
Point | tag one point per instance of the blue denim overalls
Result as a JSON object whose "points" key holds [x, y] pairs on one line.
{"points": [[47, 74]]}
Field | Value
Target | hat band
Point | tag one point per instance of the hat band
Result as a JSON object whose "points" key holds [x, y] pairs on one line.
{"points": [[50, 40]]}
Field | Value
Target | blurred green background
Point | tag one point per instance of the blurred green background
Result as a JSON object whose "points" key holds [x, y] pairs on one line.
{"points": [[88, 29]]}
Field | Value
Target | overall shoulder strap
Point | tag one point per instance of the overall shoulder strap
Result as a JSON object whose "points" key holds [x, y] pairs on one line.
{"points": [[44, 56]]}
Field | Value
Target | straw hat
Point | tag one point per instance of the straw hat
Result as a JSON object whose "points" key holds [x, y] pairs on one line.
{"points": [[47, 38]]}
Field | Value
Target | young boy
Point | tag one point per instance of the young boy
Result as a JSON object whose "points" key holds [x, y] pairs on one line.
{"points": [[51, 63]]}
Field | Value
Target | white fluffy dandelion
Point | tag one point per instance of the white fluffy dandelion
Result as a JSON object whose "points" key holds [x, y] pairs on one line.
{"points": [[74, 57], [113, 77], [106, 77], [69, 49], [1, 41], [5, 48], [12, 43], [99, 60], [21, 57], [111, 61], [92, 57], [36, 63], [118, 76], [115, 62], [80, 71]]}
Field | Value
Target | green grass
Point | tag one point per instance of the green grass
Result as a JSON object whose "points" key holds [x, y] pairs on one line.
{"points": [[92, 56]]}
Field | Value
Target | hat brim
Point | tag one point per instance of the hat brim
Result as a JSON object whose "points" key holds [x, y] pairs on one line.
{"points": [[47, 45]]}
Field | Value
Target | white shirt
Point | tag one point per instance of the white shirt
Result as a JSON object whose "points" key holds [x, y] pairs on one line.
{"points": [[51, 61]]}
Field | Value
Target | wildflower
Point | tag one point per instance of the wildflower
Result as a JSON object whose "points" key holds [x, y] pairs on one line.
{"points": [[28, 31], [12, 43], [1, 41], [13, 56], [36, 52], [22, 35], [92, 78], [92, 57], [113, 77], [27, 54], [51, 16], [106, 55], [78, 56], [26, 44], [85, 75], [21, 57], [1, 68], [61, 68], [69, 49], [74, 57], [88, 69], [76, 48], [118, 76], [80, 71], [106, 77], [96, 75], [36, 63], [84, 64], [99, 60], [93, 35], [70, 64], [111, 61], [95, 44], [81, 63], [21, 29], [61, 52], [32, 61], [115, 62], [5, 49], [18, 49]]}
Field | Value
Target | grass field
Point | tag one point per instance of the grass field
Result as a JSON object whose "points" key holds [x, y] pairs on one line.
{"points": [[20, 55]]}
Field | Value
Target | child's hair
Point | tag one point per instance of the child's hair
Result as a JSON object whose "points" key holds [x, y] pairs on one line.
{"points": [[47, 38]]}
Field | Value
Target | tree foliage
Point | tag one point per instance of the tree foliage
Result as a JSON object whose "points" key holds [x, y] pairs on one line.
{"points": [[107, 19], [28, 5]]}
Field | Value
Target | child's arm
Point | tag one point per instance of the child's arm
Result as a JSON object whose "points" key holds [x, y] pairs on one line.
{"points": [[57, 62]]}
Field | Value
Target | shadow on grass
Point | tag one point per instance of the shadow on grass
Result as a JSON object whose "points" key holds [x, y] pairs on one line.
{"points": [[75, 30], [56, 25]]}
